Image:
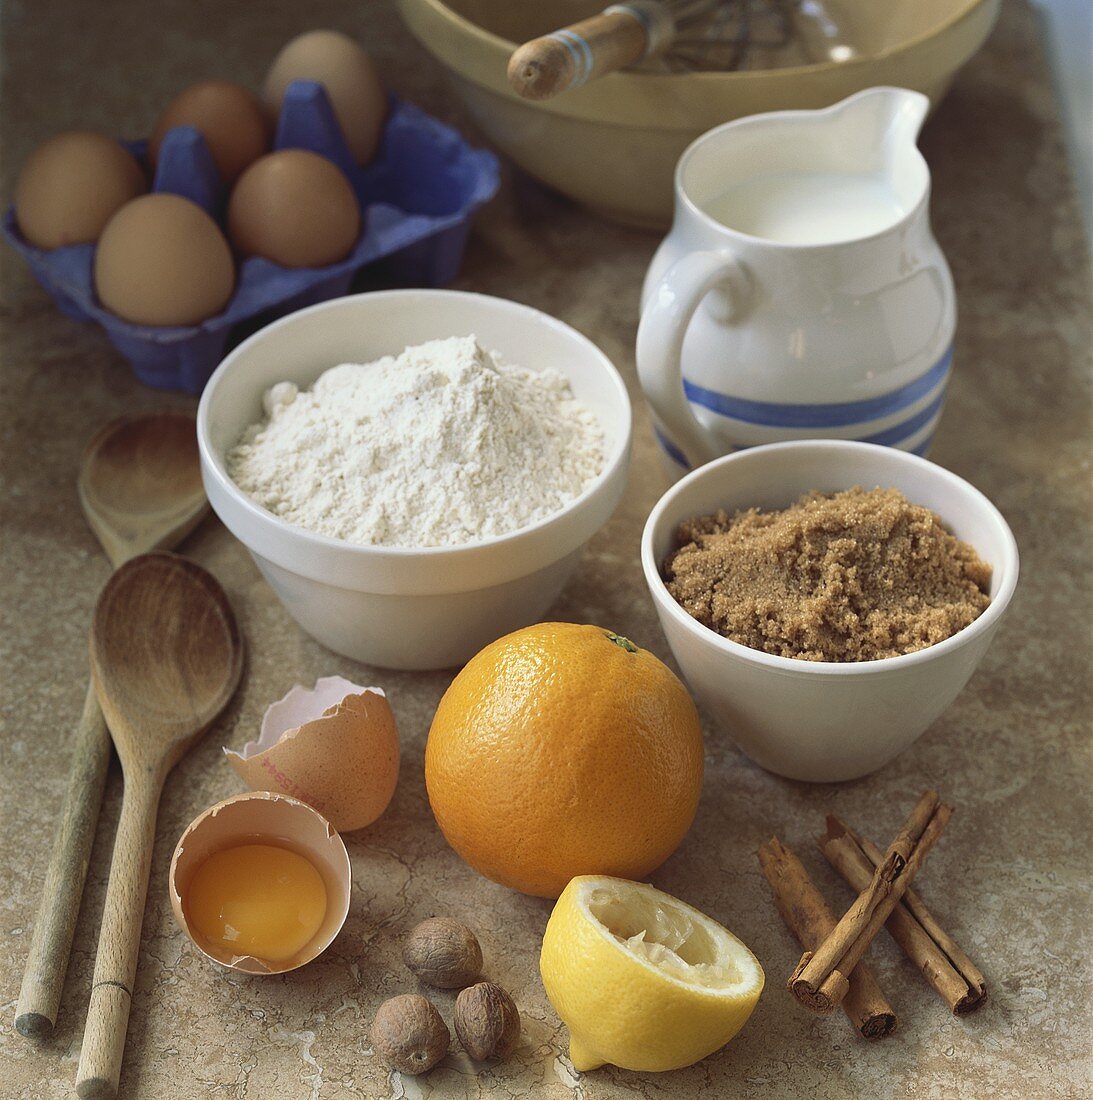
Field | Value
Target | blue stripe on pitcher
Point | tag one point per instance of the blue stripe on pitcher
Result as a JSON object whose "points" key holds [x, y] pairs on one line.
{"points": [[890, 436], [678, 457], [833, 415], [924, 446], [772, 414], [671, 450]]}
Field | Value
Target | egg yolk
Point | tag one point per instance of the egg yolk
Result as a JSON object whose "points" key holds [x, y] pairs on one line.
{"points": [[257, 899]]}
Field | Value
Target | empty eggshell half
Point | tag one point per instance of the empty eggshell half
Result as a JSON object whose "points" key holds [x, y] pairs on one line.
{"points": [[258, 817], [334, 746]]}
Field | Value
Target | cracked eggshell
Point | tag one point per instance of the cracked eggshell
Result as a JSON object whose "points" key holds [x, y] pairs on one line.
{"points": [[334, 746], [262, 817]]}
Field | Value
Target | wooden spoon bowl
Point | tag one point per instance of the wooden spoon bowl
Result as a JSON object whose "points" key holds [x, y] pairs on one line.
{"points": [[140, 483], [166, 656]]}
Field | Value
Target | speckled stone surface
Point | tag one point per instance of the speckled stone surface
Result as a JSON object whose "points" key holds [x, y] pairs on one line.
{"points": [[1011, 877]]}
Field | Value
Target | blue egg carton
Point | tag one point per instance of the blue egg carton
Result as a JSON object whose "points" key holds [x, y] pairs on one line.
{"points": [[417, 198]]}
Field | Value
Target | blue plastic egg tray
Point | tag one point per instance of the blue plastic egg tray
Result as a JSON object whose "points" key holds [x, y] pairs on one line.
{"points": [[417, 198]]}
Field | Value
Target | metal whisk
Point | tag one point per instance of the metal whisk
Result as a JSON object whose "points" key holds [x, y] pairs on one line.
{"points": [[681, 35]]}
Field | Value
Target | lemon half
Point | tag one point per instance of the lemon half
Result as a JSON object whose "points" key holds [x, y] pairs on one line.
{"points": [[641, 979]]}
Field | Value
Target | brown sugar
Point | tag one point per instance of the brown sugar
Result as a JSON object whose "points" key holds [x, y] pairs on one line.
{"points": [[850, 576]]}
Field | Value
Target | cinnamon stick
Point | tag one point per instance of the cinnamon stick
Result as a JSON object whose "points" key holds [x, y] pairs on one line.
{"points": [[940, 960], [808, 917], [821, 979]]}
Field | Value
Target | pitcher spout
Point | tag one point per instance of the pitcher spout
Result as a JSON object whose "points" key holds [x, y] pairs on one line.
{"points": [[879, 130], [882, 118], [894, 116]]}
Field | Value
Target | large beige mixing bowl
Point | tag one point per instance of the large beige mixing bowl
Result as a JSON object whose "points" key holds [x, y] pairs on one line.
{"points": [[613, 144]]}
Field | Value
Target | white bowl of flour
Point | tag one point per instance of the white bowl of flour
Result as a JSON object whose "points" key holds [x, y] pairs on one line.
{"points": [[415, 472]]}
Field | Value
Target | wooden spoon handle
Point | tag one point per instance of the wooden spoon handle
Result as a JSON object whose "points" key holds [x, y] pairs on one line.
{"points": [[614, 39], [119, 938], [55, 924]]}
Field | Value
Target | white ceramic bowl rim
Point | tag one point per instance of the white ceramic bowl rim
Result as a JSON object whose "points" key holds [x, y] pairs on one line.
{"points": [[276, 525], [1007, 568]]}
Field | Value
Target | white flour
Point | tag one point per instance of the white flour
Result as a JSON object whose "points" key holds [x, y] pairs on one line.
{"points": [[438, 446]]}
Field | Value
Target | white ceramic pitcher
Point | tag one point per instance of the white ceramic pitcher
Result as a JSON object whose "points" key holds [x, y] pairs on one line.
{"points": [[816, 304]]}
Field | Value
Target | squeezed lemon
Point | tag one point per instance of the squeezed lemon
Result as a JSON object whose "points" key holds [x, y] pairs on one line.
{"points": [[641, 979], [258, 900]]}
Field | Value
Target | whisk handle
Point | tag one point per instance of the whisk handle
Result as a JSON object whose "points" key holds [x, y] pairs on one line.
{"points": [[614, 39]]}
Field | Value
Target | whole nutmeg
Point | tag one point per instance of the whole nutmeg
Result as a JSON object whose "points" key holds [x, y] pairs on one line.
{"points": [[443, 953], [487, 1021], [409, 1034]]}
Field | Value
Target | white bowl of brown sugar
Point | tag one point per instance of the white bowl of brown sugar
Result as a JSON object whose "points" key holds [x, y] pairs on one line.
{"points": [[827, 600]]}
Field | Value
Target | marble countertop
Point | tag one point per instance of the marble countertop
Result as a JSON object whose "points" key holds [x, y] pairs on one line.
{"points": [[1011, 877]]}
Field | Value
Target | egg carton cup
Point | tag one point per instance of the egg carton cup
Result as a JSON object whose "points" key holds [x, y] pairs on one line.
{"points": [[417, 199]]}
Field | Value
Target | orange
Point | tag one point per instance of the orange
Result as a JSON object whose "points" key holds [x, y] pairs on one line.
{"points": [[564, 750]]}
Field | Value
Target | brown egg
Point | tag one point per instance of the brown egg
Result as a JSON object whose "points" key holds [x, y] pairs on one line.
{"points": [[71, 186], [162, 260], [349, 77], [296, 209], [231, 119]]}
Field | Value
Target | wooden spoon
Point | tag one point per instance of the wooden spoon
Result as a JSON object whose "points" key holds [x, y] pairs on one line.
{"points": [[166, 656], [140, 488]]}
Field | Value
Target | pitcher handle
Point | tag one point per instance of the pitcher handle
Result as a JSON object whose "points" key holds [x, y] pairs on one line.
{"points": [[664, 322]]}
